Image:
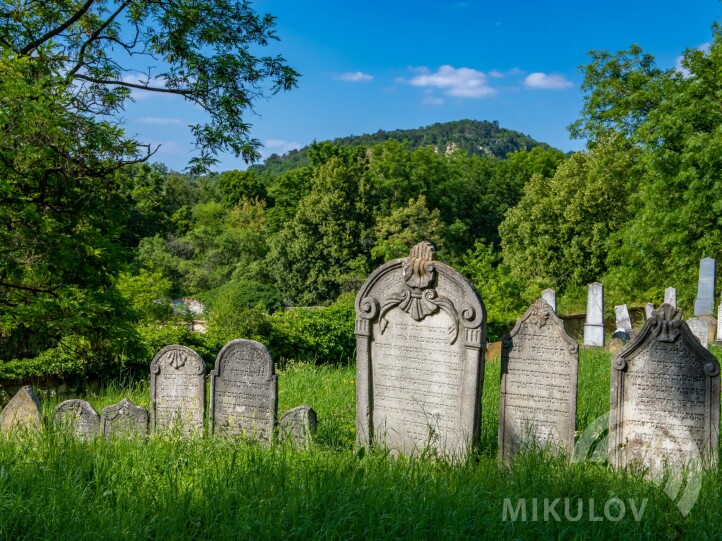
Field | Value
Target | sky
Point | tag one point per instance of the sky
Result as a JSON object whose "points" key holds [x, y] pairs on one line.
{"points": [[404, 64]]}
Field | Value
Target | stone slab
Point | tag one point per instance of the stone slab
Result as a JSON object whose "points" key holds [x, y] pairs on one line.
{"points": [[670, 296], [704, 303], [298, 425], [22, 412], [420, 337], [125, 419], [622, 319], [648, 309], [594, 326], [550, 297], [79, 417], [244, 391], [538, 402], [700, 329]]}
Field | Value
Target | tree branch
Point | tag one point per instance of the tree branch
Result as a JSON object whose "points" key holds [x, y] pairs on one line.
{"points": [[49, 35], [186, 93]]}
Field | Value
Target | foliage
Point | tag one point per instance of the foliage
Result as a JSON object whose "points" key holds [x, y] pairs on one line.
{"points": [[148, 292]]}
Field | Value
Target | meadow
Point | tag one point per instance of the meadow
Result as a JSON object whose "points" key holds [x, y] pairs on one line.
{"points": [[55, 487]]}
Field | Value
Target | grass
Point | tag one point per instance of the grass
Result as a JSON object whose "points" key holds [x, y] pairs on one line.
{"points": [[166, 487]]}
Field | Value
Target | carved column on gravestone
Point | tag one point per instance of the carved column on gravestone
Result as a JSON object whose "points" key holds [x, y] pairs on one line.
{"points": [[420, 332], [177, 390], [538, 394], [664, 397], [79, 417], [244, 391], [594, 326]]}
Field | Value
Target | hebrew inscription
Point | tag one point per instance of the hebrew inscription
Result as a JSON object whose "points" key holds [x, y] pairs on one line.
{"points": [[538, 403], [79, 417]]}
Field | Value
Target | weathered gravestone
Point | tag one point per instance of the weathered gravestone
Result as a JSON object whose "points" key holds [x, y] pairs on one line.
{"points": [[648, 309], [124, 418], [550, 297], [298, 425], [670, 296], [594, 327], [22, 412], [700, 329], [704, 303], [538, 403], [718, 334], [244, 391], [79, 416], [665, 397], [177, 390], [711, 322], [420, 332]]}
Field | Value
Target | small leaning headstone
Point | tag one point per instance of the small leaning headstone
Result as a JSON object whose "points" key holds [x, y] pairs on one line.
{"points": [[78, 416], [648, 309], [670, 296], [298, 425], [22, 412], [700, 329], [550, 297], [704, 303], [124, 418], [594, 326]]}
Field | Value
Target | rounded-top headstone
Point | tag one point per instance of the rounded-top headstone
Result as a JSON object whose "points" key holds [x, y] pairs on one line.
{"points": [[79, 416], [298, 425], [124, 418]]}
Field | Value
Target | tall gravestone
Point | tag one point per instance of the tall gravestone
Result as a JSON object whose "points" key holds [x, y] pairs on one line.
{"points": [[22, 412], [550, 297], [700, 329], [244, 391], [177, 390], [420, 332], [665, 397], [704, 303], [124, 418], [78, 416], [539, 365], [298, 425], [594, 326], [670, 296]]}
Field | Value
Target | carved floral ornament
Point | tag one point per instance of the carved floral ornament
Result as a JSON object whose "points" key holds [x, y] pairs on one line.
{"points": [[177, 357]]}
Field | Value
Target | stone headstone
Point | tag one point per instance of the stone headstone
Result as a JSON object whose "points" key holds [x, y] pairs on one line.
{"points": [[648, 309], [420, 336], [177, 390], [244, 391], [78, 416], [700, 329], [670, 296], [124, 418], [711, 322], [624, 322], [594, 327], [550, 297], [665, 397], [22, 412], [718, 334], [538, 403], [298, 425], [704, 303]]}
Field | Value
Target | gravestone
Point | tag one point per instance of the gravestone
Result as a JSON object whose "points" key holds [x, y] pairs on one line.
{"points": [[704, 303], [177, 390], [670, 296], [124, 418], [711, 322], [594, 327], [718, 335], [700, 329], [298, 425], [624, 322], [22, 412], [538, 403], [420, 335], [244, 391], [79, 416], [665, 397], [550, 297], [648, 309]]}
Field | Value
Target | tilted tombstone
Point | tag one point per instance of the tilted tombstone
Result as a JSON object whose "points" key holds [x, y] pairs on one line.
{"points": [[594, 326], [664, 397], [539, 365], [704, 303], [550, 296], [78, 416], [420, 332], [244, 391], [648, 309], [670, 296], [177, 390], [623, 321], [124, 418], [700, 329], [298, 425], [22, 412]]}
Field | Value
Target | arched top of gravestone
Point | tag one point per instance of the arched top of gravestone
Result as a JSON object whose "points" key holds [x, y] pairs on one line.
{"points": [[180, 358], [76, 407], [420, 286], [125, 407], [666, 325], [540, 314], [251, 355]]}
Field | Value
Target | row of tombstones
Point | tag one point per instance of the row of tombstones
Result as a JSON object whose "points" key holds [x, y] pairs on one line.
{"points": [[244, 400], [420, 331]]}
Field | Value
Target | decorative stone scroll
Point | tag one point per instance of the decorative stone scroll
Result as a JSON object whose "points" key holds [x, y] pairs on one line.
{"points": [[78, 416], [22, 412], [177, 390], [244, 391], [298, 425], [665, 397], [124, 418], [420, 336], [539, 365]]}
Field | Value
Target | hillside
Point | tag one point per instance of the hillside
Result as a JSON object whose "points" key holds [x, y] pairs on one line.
{"points": [[471, 136]]}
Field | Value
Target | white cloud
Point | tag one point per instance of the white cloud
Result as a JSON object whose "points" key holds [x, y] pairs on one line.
{"points": [[459, 83], [280, 146], [355, 77], [496, 74], [431, 100], [162, 121], [552, 81]]}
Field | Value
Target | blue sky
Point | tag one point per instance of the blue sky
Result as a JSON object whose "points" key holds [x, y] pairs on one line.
{"points": [[376, 65]]}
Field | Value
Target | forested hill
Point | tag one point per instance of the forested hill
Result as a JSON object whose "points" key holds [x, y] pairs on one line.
{"points": [[471, 136]]}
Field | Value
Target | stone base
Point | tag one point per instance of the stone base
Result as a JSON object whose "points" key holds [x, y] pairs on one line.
{"points": [[594, 335]]}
